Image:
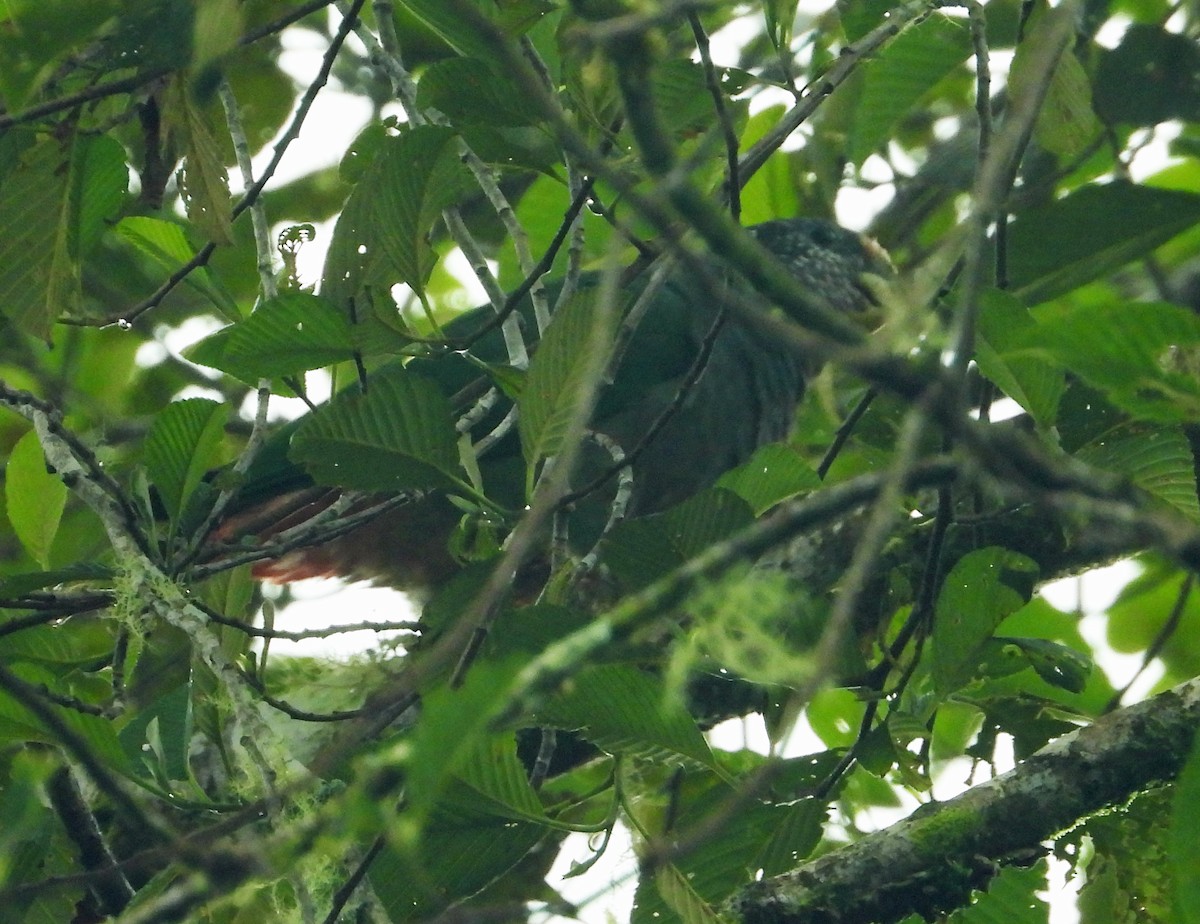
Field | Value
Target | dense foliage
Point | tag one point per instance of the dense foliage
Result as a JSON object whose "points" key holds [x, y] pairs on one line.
{"points": [[1025, 409]]}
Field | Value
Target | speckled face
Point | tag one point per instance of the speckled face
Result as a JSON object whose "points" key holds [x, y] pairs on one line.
{"points": [[826, 258]]}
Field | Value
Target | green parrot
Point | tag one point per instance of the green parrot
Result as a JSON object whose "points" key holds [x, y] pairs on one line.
{"points": [[744, 397]]}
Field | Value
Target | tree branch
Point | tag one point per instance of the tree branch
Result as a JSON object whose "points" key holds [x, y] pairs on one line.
{"points": [[931, 861]]}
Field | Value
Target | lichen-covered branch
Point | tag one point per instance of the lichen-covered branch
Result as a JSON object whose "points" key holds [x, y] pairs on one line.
{"points": [[932, 860]]}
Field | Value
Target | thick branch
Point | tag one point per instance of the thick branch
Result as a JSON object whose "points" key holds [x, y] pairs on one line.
{"points": [[930, 861]]}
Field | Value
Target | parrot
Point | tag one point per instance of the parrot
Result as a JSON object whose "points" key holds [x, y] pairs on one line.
{"points": [[745, 396]]}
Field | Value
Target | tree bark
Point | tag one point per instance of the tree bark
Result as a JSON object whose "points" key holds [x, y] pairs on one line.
{"points": [[930, 862]]}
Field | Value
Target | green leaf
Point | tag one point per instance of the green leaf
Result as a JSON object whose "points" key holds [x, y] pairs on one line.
{"points": [[35, 498], [975, 597], [101, 179], [1184, 846], [1055, 663], [781, 17], [39, 277], [621, 709], [468, 91], [289, 334], [164, 242], [773, 474], [181, 446], [457, 857], [1157, 459], [1121, 349], [904, 72], [681, 898], [515, 17], [1001, 350], [382, 236], [37, 36], [1149, 78], [204, 186], [642, 550], [1013, 897], [1090, 233], [1066, 124], [398, 436], [499, 781], [563, 374], [15, 585], [453, 735]]}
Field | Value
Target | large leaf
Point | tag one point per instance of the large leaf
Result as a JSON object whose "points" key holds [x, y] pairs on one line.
{"points": [[773, 474], [181, 446], [286, 335], [563, 374], [398, 436], [382, 236], [457, 858], [981, 589], [497, 781], [1157, 459], [1002, 351], [204, 182], [1090, 233], [1149, 78], [468, 91], [907, 69], [39, 277], [514, 17], [164, 242], [35, 498], [621, 709], [642, 550], [1123, 350]]}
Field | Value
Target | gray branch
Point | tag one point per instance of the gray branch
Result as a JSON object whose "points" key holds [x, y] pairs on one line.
{"points": [[930, 862]]}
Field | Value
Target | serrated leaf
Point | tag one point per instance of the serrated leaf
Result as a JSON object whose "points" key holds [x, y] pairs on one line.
{"points": [[908, 68], [453, 860], [562, 375], [204, 186], [382, 236], [1066, 124], [181, 446], [453, 732], [773, 474], [681, 898], [623, 710], [495, 773], [642, 550], [1013, 897], [1001, 350], [1090, 233], [398, 436], [35, 498], [289, 334], [1120, 349], [165, 243], [101, 179], [981, 589], [1157, 459], [39, 277], [468, 91]]}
